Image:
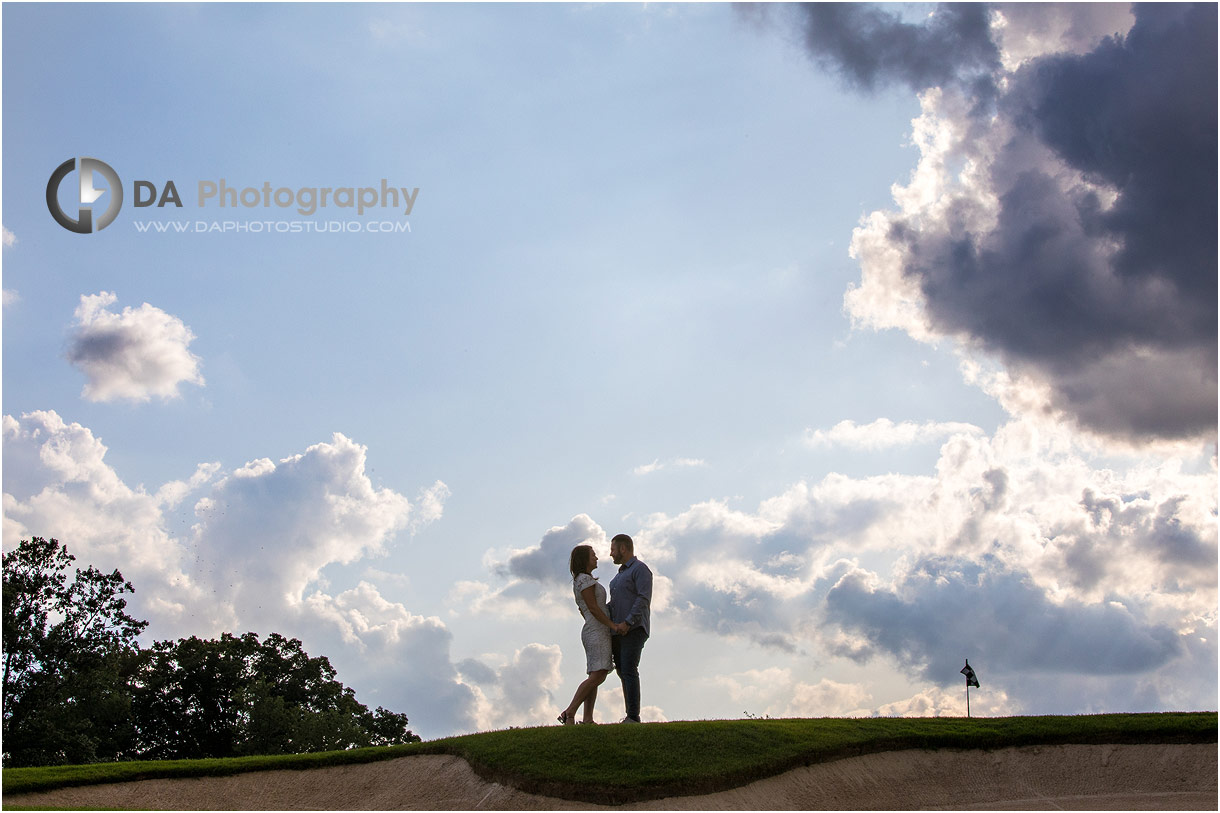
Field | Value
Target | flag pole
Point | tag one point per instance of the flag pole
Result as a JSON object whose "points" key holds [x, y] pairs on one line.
{"points": [[970, 678]]}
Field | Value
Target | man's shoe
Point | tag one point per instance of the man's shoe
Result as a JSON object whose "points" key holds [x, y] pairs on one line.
{"points": [[628, 720]]}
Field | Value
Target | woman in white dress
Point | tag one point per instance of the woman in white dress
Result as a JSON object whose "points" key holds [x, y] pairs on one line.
{"points": [[595, 635]]}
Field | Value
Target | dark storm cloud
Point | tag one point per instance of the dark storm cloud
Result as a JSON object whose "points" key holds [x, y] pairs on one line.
{"points": [[871, 46], [1140, 113], [1115, 306], [1096, 274], [946, 610]]}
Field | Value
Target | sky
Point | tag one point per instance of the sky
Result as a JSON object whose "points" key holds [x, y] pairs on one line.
{"points": [[887, 332]]}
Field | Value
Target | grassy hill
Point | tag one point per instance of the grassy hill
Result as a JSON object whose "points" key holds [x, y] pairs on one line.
{"points": [[629, 763]]}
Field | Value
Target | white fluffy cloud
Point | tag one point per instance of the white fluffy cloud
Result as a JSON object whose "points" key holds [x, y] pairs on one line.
{"points": [[277, 525], [676, 463], [1017, 552], [538, 583], [776, 692], [271, 528], [369, 638], [57, 484], [884, 433], [252, 556], [136, 354], [523, 691], [937, 702], [534, 581], [547, 562]]}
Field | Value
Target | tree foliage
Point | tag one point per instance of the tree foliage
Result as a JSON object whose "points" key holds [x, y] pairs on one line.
{"points": [[237, 696], [78, 687], [70, 650]]}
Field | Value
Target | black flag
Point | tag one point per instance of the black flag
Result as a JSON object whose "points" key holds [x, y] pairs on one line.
{"points": [[971, 680]]}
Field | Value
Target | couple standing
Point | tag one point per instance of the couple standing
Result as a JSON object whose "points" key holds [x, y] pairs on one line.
{"points": [[614, 634]]}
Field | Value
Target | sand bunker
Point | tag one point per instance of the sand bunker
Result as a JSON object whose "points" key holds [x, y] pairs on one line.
{"points": [[1062, 777]]}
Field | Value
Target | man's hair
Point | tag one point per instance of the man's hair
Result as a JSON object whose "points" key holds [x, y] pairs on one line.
{"points": [[624, 542], [579, 563]]}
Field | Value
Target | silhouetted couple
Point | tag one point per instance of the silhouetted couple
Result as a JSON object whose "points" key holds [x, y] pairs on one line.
{"points": [[615, 632]]}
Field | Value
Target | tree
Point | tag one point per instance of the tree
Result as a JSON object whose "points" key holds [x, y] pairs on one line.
{"points": [[78, 688], [237, 696], [70, 651]]}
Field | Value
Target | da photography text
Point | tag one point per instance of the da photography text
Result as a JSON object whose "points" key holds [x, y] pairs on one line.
{"points": [[97, 178]]}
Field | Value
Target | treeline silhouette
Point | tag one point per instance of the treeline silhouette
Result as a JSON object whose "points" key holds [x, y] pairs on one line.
{"points": [[79, 688]]}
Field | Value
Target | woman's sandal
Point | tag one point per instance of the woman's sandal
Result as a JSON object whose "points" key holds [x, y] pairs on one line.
{"points": [[563, 719]]}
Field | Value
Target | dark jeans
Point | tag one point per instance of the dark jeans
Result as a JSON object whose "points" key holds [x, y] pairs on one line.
{"points": [[627, 650]]}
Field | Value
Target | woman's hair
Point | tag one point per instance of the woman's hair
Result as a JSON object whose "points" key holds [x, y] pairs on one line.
{"points": [[581, 557]]}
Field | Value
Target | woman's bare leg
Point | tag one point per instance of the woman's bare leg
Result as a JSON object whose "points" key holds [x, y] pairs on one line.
{"points": [[583, 691], [589, 703]]}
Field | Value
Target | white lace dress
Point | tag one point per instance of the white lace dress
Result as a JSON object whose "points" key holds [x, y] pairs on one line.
{"points": [[594, 635]]}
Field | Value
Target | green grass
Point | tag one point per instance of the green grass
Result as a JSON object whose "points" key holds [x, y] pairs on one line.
{"points": [[629, 763]]}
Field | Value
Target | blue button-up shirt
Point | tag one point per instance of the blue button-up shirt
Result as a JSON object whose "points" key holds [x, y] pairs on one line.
{"points": [[631, 594]]}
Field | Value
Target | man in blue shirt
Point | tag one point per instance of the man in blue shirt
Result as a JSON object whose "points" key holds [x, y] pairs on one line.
{"points": [[630, 597]]}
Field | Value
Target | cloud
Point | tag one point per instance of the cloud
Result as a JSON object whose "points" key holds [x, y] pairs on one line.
{"points": [[528, 689], [1069, 228], [246, 550], [937, 702], [536, 585], [870, 46], [945, 607], [536, 582], [522, 692], [367, 637], [775, 692], [547, 561], [429, 504], [259, 536], [1025, 31], [9, 239], [1015, 543], [884, 433], [275, 526], [57, 484], [133, 355], [676, 463]]}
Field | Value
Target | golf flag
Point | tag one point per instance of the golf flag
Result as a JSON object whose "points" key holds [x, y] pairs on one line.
{"points": [[971, 680]]}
